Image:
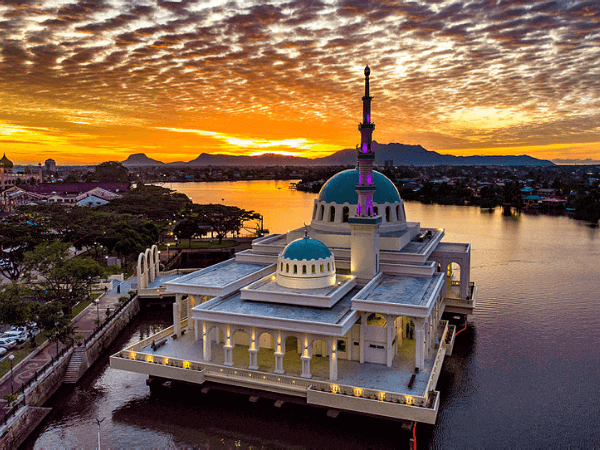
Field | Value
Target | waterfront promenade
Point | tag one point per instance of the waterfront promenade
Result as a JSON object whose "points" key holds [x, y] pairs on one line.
{"points": [[85, 323]]}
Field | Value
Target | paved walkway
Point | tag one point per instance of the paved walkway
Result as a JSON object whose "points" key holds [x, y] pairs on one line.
{"points": [[85, 324]]}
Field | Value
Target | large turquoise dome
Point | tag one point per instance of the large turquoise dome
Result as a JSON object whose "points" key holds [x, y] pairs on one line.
{"points": [[341, 188], [306, 248]]}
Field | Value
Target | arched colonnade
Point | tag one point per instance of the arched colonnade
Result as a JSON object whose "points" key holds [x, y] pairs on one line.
{"points": [[148, 267]]}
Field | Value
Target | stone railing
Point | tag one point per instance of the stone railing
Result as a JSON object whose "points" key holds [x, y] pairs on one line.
{"points": [[269, 379], [155, 337], [439, 359]]}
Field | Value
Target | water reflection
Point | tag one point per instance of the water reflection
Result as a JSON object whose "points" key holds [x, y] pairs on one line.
{"points": [[523, 375]]}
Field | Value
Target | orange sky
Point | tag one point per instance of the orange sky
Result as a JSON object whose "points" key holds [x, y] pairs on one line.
{"points": [[85, 81]]}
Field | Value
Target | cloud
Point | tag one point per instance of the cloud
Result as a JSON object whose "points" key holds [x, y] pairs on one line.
{"points": [[279, 71]]}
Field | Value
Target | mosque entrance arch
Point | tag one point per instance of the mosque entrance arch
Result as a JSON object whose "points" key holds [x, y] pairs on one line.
{"points": [[319, 363], [292, 363], [241, 342]]}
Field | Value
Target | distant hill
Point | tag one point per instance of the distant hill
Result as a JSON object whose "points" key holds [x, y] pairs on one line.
{"points": [[400, 154], [141, 160]]}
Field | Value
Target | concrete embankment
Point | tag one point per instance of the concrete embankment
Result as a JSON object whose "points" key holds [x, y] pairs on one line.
{"points": [[70, 365]]}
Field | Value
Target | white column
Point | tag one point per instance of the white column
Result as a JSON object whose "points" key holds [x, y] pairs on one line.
{"points": [[197, 330], [278, 354], [228, 347], [253, 350], [390, 340], [333, 360], [363, 327], [190, 305], [206, 342], [306, 357], [419, 343], [177, 314]]}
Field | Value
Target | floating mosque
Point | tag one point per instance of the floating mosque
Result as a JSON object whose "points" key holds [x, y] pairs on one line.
{"points": [[345, 313]]}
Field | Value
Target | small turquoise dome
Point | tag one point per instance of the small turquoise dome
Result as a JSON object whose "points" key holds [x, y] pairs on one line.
{"points": [[306, 248], [341, 188]]}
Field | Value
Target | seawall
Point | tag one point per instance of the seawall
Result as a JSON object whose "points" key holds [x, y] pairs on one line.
{"points": [[27, 412]]}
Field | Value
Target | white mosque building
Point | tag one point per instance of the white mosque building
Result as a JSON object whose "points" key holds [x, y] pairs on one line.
{"points": [[344, 313]]}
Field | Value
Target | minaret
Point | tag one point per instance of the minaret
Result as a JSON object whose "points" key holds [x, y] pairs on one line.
{"points": [[365, 187], [364, 225]]}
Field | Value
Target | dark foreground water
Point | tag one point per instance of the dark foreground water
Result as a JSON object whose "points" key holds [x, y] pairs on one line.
{"points": [[525, 373]]}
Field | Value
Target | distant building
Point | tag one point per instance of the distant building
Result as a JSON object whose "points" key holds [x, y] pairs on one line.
{"points": [[388, 163], [50, 165], [62, 193], [9, 178]]}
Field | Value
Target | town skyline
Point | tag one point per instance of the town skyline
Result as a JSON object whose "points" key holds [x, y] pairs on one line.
{"points": [[83, 82]]}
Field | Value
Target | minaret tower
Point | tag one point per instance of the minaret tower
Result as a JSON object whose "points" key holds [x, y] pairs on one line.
{"points": [[365, 187], [364, 247]]}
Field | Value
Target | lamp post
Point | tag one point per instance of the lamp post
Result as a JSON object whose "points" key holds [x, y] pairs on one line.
{"points": [[11, 357], [99, 422], [97, 302], [168, 245]]}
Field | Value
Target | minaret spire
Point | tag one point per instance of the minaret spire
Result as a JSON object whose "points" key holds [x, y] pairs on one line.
{"points": [[365, 187], [364, 225]]}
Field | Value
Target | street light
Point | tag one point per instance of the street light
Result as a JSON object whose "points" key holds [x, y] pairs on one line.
{"points": [[168, 245], [99, 422], [11, 357], [97, 302]]}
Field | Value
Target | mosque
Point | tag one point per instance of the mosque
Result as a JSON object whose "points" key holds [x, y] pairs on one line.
{"points": [[9, 178], [344, 313]]}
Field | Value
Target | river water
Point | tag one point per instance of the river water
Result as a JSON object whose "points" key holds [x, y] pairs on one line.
{"points": [[524, 374]]}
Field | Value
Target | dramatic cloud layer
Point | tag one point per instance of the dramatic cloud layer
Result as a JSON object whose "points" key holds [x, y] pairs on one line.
{"points": [[91, 80]]}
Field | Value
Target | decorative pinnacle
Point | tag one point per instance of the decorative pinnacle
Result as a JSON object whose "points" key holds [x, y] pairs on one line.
{"points": [[305, 231]]}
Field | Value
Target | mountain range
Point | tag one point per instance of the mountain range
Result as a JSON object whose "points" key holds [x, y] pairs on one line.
{"points": [[399, 154]]}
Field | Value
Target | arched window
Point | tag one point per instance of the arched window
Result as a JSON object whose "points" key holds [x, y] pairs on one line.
{"points": [[387, 213], [332, 214], [304, 269], [375, 211], [287, 268], [345, 214], [295, 268], [314, 269], [397, 212], [328, 268], [281, 267], [321, 212], [315, 211], [321, 268]]}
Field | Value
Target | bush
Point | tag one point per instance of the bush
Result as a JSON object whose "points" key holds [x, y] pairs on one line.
{"points": [[123, 299]]}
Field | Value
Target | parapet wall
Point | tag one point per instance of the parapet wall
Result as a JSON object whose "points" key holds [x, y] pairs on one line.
{"points": [[24, 421]]}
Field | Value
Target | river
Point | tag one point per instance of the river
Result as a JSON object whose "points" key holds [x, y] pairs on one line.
{"points": [[525, 373]]}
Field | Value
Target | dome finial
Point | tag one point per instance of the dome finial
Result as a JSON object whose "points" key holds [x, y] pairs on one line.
{"points": [[305, 231]]}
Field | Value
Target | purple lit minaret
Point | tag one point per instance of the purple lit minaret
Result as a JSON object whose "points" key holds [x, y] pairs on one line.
{"points": [[365, 187]]}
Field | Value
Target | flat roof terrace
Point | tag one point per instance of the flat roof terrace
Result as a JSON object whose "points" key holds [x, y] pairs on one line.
{"points": [[400, 295], [335, 321], [219, 279]]}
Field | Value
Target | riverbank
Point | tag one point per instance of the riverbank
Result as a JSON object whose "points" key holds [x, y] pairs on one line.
{"points": [[38, 376]]}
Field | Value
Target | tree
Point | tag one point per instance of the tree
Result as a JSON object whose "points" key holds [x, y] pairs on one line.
{"points": [[186, 229], [223, 219], [150, 202], [64, 279], [129, 236], [57, 324], [13, 309], [18, 234], [109, 172]]}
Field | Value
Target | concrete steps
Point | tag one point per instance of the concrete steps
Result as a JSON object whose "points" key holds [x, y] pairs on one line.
{"points": [[74, 368]]}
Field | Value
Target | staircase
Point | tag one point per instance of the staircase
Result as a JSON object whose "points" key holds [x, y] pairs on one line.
{"points": [[74, 368]]}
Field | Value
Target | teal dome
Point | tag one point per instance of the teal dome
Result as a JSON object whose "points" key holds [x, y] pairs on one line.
{"points": [[306, 248], [341, 188]]}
